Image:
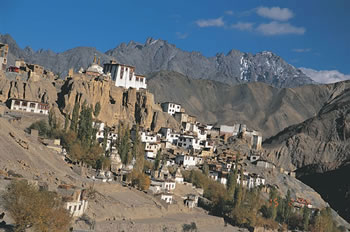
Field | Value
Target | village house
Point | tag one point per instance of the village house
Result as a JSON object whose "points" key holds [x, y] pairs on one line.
{"points": [[167, 197], [186, 160], [29, 106], [74, 199], [99, 126], [148, 137], [254, 138], [4, 49], [251, 180], [179, 177], [191, 201], [264, 164], [158, 185], [151, 149], [124, 75], [188, 142], [169, 135], [171, 107]]}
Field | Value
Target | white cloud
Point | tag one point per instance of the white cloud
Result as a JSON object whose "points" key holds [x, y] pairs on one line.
{"points": [[325, 76], [301, 50], [243, 26], [275, 13], [181, 35], [229, 12], [210, 22], [276, 28]]}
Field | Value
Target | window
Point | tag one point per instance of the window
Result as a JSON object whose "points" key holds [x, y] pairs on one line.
{"points": [[17, 103], [32, 105], [75, 208]]}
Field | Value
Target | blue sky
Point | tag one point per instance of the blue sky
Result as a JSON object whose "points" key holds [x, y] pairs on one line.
{"points": [[306, 33]]}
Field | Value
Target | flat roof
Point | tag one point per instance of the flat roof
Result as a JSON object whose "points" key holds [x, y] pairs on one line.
{"points": [[28, 101]]}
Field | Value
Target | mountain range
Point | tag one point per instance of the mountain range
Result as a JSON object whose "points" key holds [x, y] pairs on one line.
{"points": [[155, 55]]}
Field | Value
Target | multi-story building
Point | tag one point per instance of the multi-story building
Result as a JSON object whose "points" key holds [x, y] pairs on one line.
{"points": [[124, 75], [171, 107], [188, 142], [29, 106]]}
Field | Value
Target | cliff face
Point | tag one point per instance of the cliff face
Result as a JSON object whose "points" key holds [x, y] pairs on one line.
{"points": [[117, 104], [16, 86]]}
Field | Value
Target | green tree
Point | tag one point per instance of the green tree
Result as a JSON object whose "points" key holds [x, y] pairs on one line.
{"points": [[66, 122], [238, 195], [75, 117], [273, 201], [231, 184], [205, 169], [97, 109], [157, 160], [138, 151], [306, 218], [42, 127], [52, 119], [124, 145], [85, 130]]}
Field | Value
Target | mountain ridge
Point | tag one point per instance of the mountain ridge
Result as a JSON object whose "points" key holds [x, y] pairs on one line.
{"points": [[156, 55]]}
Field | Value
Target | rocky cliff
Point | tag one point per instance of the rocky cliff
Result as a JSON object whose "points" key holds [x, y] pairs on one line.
{"points": [[117, 104]]}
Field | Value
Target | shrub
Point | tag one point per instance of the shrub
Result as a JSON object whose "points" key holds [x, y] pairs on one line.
{"points": [[31, 208]]}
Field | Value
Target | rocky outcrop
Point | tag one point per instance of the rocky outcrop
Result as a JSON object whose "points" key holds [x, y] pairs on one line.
{"points": [[13, 85], [117, 104]]}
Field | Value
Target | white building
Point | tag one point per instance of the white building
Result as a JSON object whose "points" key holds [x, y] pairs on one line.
{"points": [[148, 137], [112, 136], [124, 75], [255, 139], [171, 108], [189, 142], [100, 126], [162, 185], [169, 135], [251, 180], [29, 106], [75, 201], [167, 197], [151, 150], [178, 177], [186, 160]]}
